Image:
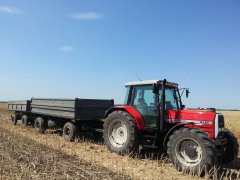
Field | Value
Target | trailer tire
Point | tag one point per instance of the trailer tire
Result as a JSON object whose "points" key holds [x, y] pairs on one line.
{"points": [[192, 151], [40, 125], [25, 120], [120, 133], [230, 151], [70, 131], [14, 119]]}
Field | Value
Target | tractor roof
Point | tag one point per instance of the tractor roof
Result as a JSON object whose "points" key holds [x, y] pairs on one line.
{"points": [[141, 82], [147, 82]]}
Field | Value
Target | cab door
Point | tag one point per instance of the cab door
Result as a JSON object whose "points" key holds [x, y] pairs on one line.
{"points": [[145, 102]]}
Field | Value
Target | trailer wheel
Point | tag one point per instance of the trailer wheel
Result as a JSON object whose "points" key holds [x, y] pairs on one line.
{"points": [[25, 120], [70, 131], [120, 133], [40, 125], [14, 119], [230, 151], [192, 151]]}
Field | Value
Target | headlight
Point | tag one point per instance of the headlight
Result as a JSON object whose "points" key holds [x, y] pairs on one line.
{"points": [[219, 124]]}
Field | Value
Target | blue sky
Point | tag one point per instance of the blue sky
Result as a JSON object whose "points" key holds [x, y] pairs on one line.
{"points": [[90, 49]]}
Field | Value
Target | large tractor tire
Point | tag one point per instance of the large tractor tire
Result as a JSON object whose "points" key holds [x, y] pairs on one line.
{"points": [[70, 131], [40, 125], [120, 133], [192, 151], [230, 151], [25, 120]]}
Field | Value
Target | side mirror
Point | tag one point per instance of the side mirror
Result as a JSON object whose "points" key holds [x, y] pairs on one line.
{"points": [[155, 89], [187, 92]]}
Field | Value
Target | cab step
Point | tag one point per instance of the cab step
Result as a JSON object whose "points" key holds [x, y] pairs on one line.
{"points": [[149, 147]]}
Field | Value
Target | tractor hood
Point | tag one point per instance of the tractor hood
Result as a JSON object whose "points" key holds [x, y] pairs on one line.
{"points": [[201, 119], [194, 116]]}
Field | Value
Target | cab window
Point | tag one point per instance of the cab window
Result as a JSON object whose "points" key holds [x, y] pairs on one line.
{"points": [[144, 102]]}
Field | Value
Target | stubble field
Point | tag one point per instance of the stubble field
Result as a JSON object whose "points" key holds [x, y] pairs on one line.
{"points": [[25, 154]]}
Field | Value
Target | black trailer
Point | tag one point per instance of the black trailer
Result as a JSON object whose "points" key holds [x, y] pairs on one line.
{"points": [[71, 115]]}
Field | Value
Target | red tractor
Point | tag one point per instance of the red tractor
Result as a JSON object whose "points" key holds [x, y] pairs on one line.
{"points": [[154, 117]]}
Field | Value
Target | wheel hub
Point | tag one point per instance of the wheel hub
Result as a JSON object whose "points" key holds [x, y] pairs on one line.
{"points": [[190, 150], [120, 132]]}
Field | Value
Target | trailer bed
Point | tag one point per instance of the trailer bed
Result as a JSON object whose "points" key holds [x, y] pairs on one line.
{"points": [[77, 109]]}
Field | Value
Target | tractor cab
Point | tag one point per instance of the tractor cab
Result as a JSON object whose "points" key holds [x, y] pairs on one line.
{"points": [[146, 98]]}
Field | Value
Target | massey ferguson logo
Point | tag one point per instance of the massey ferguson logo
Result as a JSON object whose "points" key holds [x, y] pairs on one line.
{"points": [[206, 122], [188, 121]]}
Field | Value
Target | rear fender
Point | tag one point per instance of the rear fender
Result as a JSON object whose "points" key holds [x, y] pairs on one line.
{"points": [[130, 110]]}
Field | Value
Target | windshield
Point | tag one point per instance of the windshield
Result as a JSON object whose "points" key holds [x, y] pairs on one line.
{"points": [[172, 98]]}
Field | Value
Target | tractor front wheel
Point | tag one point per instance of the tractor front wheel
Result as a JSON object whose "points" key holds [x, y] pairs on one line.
{"points": [[120, 133], [230, 150], [192, 151]]}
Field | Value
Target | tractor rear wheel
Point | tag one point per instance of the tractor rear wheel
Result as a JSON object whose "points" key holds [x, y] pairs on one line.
{"points": [[120, 133], [192, 151], [230, 151], [70, 131], [40, 125]]}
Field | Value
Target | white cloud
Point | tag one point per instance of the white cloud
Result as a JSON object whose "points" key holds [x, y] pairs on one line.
{"points": [[86, 15], [66, 49], [10, 10]]}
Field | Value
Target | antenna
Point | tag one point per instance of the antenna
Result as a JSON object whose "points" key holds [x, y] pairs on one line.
{"points": [[138, 77]]}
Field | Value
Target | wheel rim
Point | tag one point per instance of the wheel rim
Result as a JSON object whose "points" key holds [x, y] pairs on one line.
{"points": [[188, 152], [117, 133]]}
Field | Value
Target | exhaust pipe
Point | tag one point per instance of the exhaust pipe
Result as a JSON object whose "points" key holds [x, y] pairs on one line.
{"points": [[162, 112]]}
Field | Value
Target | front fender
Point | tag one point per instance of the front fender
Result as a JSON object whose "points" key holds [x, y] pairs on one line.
{"points": [[174, 128]]}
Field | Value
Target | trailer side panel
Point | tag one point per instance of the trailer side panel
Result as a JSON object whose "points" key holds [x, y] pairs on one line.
{"points": [[64, 108], [21, 106], [92, 109], [77, 109]]}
